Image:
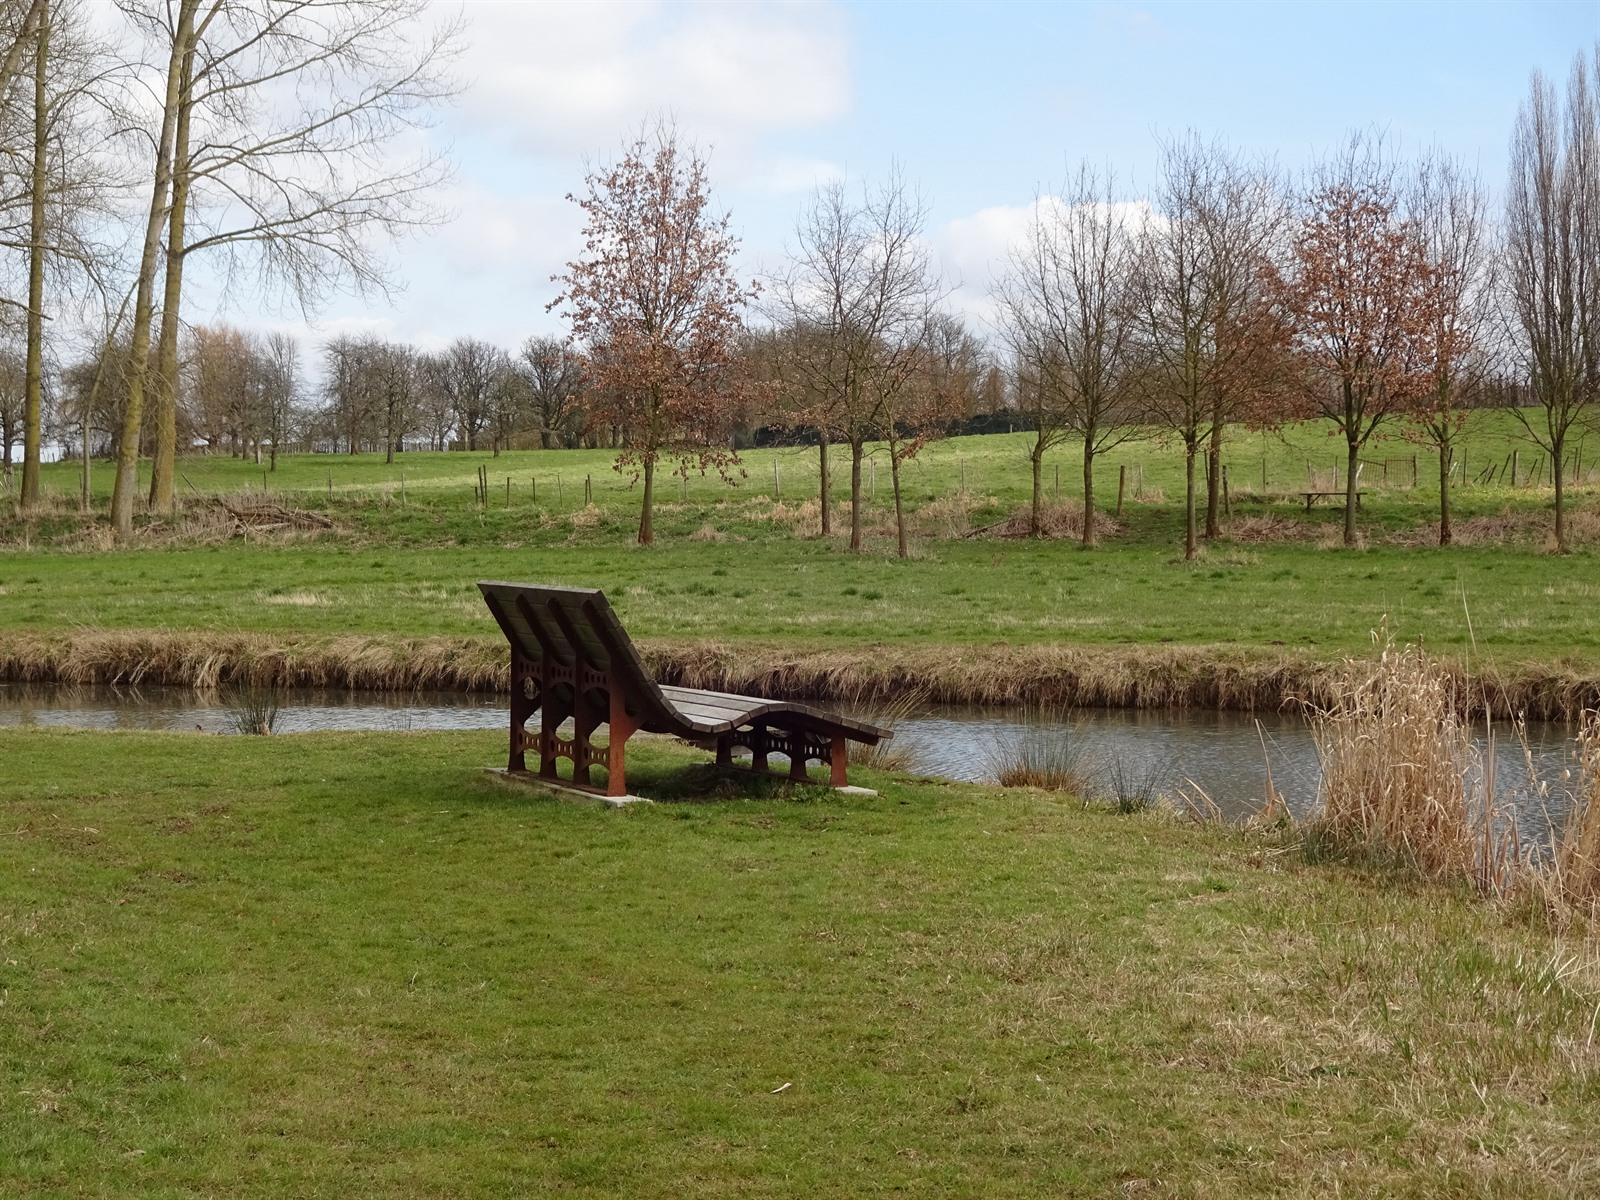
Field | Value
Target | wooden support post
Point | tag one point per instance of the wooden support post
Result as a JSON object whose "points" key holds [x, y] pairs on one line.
{"points": [[1514, 471], [1122, 485], [588, 490], [724, 751], [508, 491], [1227, 499], [758, 747], [533, 487], [584, 721], [1415, 476], [619, 728], [550, 718], [797, 756], [838, 757], [521, 710], [1058, 481]]}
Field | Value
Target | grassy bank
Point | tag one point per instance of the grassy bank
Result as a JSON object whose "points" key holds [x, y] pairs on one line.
{"points": [[341, 965], [1153, 677]]}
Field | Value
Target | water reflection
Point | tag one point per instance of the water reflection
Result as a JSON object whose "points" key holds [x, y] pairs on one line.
{"points": [[1224, 755]]}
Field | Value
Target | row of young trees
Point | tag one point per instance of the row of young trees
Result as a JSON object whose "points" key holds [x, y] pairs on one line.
{"points": [[263, 137], [1375, 293]]}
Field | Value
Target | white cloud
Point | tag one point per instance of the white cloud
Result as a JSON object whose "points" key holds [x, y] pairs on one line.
{"points": [[974, 250], [559, 77]]}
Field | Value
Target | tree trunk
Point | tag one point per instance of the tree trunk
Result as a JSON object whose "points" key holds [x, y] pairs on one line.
{"points": [[163, 490], [856, 451], [1558, 476], [1446, 466], [824, 488], [32, 426], [647, 533], [139, 350], [1191, 541], [1088, 492], [1035, 513], [1351, 471], [1214, 483], [903, 546]]}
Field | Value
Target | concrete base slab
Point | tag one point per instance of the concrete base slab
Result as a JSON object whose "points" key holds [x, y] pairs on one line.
{"points": [[852, 790], [529, 781]]}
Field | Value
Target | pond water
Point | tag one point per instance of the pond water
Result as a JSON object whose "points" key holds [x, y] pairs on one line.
{"points": [[1223, 755]]}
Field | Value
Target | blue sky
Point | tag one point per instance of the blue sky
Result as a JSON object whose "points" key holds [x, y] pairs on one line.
{"points": [[981, 104]]}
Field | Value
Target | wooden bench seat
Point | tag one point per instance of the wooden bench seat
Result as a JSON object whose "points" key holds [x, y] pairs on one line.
{"points": [[572, 659]]}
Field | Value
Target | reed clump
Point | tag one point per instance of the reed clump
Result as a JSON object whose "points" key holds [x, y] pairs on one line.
{"points": [[1402, 778], [1053, 758], [1571, 875], [253, 711]]}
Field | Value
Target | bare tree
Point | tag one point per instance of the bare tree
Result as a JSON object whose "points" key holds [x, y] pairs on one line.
{"points": [[1451, 211], [468, 372], [1070, 308], [656, 306], [859, 291], [13, 401], [281, 384], [437, 413], [19, 25], [65, 182], [298, 109], [183, 24], [1552, 260], [1205, 342], [555, 384]]}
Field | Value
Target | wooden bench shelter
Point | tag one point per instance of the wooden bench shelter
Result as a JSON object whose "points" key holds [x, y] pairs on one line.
{"points": [[1312, 497], [571, 658]]}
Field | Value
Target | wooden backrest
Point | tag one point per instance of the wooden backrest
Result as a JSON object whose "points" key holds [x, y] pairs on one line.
{"points": [[572, 627]]}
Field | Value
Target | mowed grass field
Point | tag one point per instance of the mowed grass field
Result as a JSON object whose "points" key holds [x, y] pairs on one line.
{"points": [[341, 965], [744, 564]]}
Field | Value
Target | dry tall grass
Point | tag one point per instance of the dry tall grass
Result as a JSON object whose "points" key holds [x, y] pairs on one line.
{"points": [[1051, 676], [1406, 779], [1571, 877], [1401, 774]]}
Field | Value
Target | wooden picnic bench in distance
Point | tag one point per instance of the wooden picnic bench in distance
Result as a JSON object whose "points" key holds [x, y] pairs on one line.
{"points": [[1314, 496], [571, 658]]}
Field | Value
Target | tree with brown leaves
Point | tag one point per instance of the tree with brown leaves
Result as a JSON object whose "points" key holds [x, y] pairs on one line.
{"points": [[655, 305], [1356, 299]]}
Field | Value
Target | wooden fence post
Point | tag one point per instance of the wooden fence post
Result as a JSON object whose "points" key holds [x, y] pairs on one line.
{"points": [[588, 490], [508, 491], [1122, 485], [1227, 500]]}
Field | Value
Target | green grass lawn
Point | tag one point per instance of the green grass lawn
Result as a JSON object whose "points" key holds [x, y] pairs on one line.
{"points": [[741, 566], [343, 965]]}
